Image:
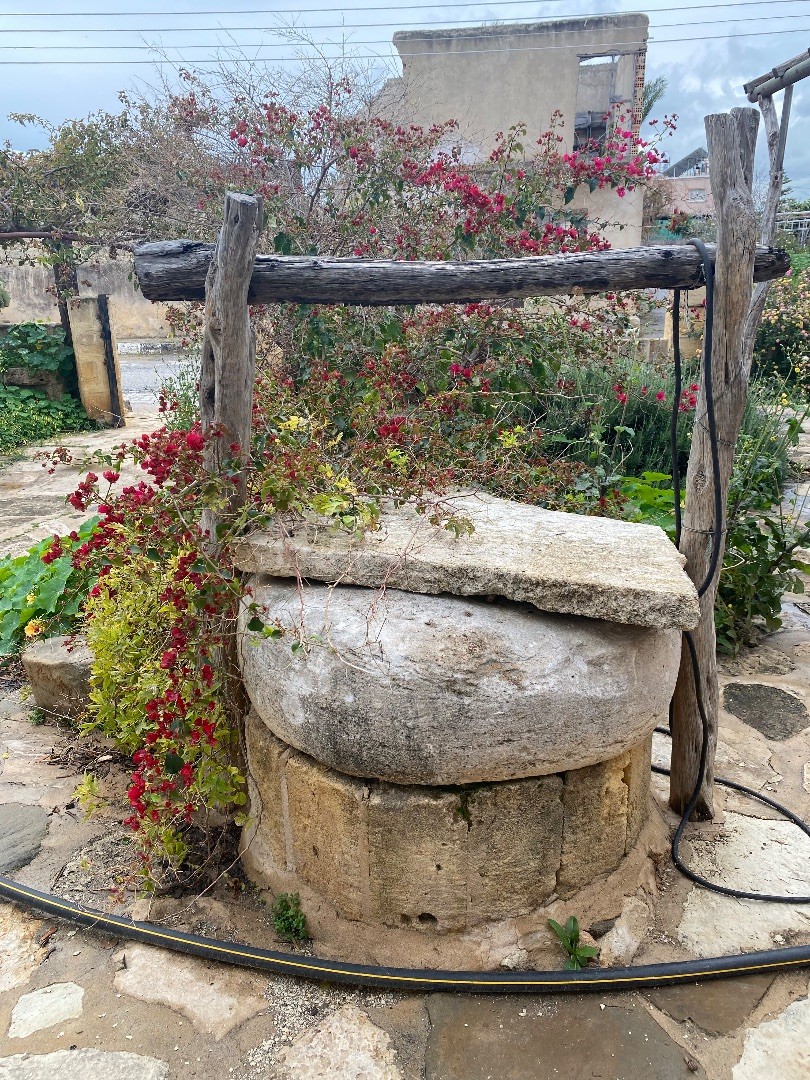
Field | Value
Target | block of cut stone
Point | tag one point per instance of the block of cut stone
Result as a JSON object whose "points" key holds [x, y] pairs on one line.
{"points": [[597, 567], [58, 669], [416, 689]]}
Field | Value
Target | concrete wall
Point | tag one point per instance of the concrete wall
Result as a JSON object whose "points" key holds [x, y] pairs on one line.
{"points": [[489, 78], [132, 317], [681, 195]]}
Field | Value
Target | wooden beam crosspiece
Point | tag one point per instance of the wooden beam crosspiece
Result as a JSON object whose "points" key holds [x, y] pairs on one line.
{"points": [[176, 270]]}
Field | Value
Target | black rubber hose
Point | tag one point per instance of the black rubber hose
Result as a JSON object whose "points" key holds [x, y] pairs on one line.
{"points": [[712, 886], [708, 385], [425, 980], [673, 421]]}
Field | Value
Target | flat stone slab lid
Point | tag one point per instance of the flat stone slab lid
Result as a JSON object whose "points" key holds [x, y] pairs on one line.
{"points": [[597, 567]]}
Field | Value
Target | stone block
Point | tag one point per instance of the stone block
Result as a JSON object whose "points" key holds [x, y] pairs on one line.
{"points": [[594, 825], [264, 838], [417, 842], [439, 690], [637, 781], [327, 831], [59, 675], [432, 859], [513, 847], [597, 567]]}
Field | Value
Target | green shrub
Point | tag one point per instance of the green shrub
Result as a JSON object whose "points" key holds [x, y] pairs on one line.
{"points": [[28, 416], [783, 338], [36, 347], [41, 592], [760, 562]]}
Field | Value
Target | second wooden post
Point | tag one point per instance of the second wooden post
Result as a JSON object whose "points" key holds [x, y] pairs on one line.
{"points": [[731, 139]]}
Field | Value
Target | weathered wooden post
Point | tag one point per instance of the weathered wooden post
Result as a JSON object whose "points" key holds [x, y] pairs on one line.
{"points": [[229, 348], [731, 138], [226, 395]]}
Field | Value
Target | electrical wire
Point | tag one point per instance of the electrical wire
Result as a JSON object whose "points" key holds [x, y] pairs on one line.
{"points": [[434, 36], [360, 10], [641, 44], [420, 24]]}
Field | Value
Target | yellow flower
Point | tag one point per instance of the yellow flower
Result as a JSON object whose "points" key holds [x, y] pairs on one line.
{"points": [[291, 424], [31, 599], [33, 628]]}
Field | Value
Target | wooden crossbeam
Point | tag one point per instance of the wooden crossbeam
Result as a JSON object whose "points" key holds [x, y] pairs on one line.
{"points": [[176, 270]]}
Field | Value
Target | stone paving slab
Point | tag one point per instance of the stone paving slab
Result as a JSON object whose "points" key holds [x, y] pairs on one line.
{"points": [[45, 1007], [575, 1038], [771, 710], [779, 1047], [82, 1065], [719, 1007], [22, 830], [596, 567]]}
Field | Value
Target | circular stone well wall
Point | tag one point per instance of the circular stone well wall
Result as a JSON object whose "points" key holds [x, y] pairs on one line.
{"points": [[446, 858], [437, 765]]}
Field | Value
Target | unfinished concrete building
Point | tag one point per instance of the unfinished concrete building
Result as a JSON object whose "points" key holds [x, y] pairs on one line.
{"points": [[491, 77]]}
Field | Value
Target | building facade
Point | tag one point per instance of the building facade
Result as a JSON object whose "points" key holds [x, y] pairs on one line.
{"points": [[489, 78]]}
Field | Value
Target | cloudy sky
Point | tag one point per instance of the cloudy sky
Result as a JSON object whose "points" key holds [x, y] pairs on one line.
{"points": [[63, 60]]}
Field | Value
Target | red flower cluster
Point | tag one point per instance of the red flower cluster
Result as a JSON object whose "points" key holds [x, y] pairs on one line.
{"points": [[156, 520]]}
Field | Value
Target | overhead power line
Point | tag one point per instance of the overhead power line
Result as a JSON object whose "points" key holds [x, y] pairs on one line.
{"points": [[376, 56], [419, 24], [435, 36], [297, 11]]}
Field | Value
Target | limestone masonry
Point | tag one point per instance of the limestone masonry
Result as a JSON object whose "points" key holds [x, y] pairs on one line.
{"points": [[597, 567]]}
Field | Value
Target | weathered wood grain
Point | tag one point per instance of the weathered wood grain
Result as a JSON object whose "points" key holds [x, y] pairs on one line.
{"points": [[730, 138], [229, 351], [176, 270]]}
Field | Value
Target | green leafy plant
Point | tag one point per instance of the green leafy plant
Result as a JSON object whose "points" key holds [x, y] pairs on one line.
{"points": [[42, 592], [29, 416], [289, 921], [761, 561], [36, 347], [650, 498], [579, 956], [759, 567], [783, 338]]}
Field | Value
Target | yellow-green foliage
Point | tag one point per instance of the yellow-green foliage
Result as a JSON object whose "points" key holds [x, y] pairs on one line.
{"points": [[158, 698]]}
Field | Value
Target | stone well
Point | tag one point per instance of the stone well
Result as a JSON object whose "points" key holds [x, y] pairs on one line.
{"points": [[463, 735]]}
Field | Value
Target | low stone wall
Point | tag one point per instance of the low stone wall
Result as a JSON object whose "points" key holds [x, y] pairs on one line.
{"points": [[438, 858]]}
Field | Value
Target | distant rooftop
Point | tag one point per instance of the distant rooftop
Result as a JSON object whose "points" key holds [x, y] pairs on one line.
{"points": [[694, 164]]}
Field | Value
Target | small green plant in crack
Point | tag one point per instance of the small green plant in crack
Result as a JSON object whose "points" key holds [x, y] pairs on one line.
{"points": [[289, 921], [579, 956]]}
